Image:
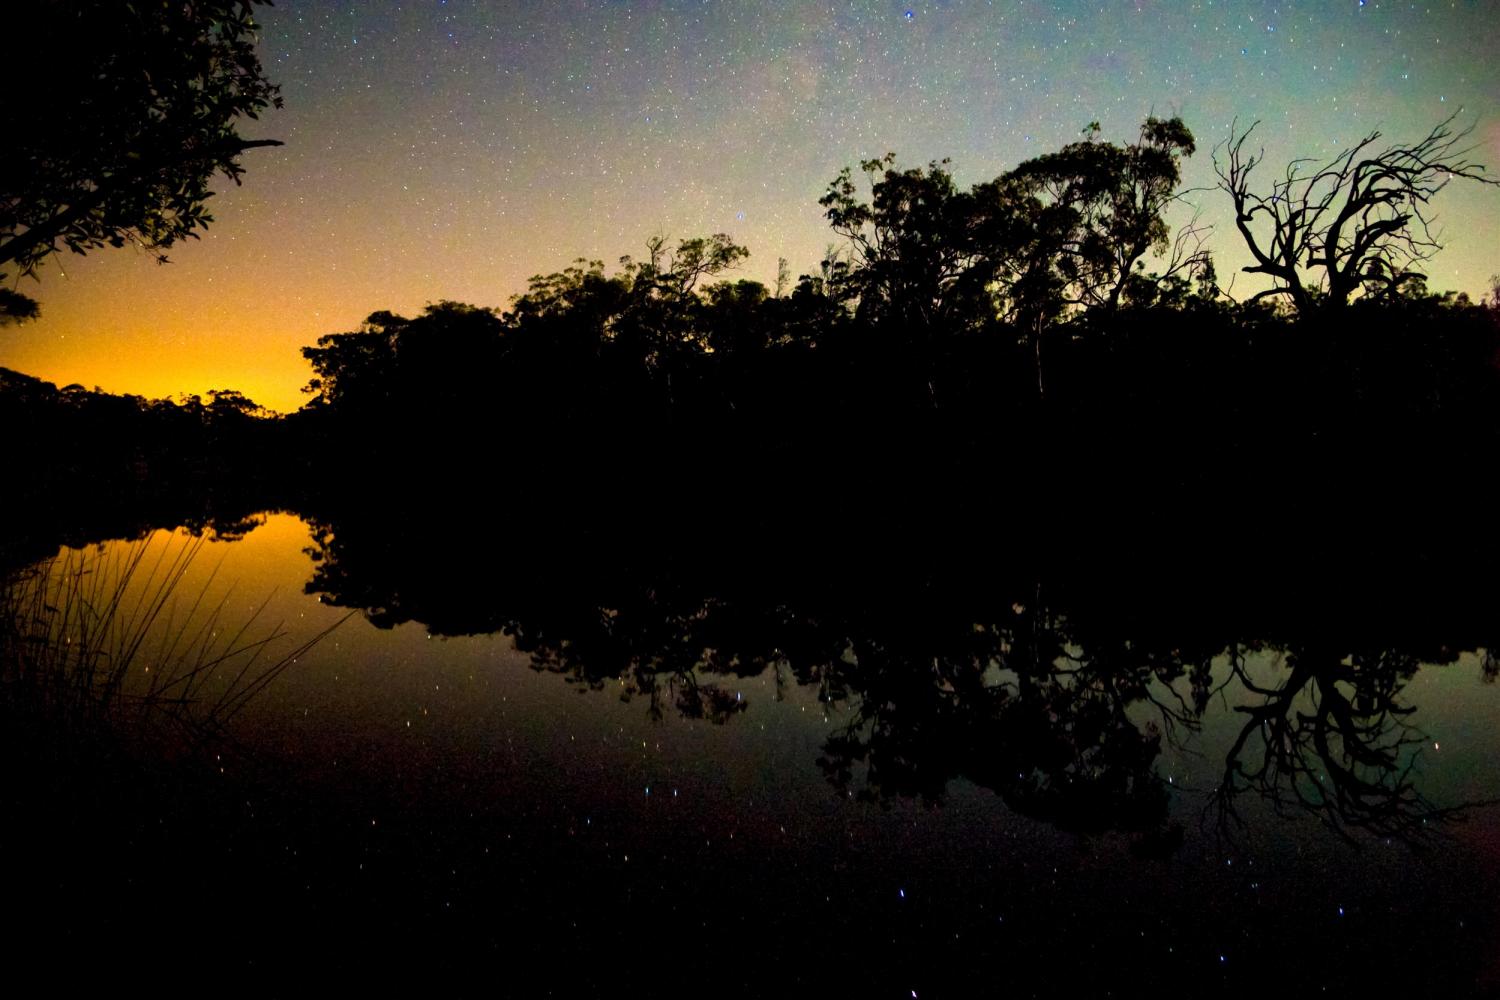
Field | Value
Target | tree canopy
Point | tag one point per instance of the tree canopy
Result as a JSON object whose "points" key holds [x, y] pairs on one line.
{"points": [[1066, 229], [117, 119]]}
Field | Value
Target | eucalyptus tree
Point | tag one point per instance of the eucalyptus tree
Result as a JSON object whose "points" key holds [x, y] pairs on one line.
{"points": [[1081, 221], [1060, 233]]}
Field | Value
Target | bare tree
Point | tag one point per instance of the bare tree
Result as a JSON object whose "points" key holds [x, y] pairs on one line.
{"points": [[1362, 220]]}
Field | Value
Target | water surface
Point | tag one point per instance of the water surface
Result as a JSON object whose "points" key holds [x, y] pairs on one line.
{"points": [[689, 788]]}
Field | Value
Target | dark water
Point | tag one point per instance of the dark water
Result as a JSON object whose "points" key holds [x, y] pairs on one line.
{"points": [[699, 793]]}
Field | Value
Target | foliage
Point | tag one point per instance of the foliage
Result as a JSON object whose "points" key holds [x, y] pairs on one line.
{"points": [[1066, 229], [1089, 213], [911, 264], [15, 307], [675, 274], [139, 111], [390, 357], [228, 403]]}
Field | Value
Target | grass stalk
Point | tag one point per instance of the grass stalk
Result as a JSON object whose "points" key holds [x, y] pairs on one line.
{"points": [[107, 636]]}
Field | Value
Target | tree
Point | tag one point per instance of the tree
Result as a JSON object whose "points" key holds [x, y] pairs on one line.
{"points": [[117, 118], [659, 319], [673, 275], [1361, 221], [909, 263], [1075, 226], [442, 359], [232, 404], [15, 307], [1067, 230], [354, 370]]}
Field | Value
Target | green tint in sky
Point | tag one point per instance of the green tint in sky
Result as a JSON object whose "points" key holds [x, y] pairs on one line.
{"points": [[448, 150]]}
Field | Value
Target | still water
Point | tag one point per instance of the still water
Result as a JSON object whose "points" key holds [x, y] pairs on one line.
{"points": [[751, 801]]}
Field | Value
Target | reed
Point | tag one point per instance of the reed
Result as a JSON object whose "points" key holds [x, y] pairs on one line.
{"points": [[108, 635]]}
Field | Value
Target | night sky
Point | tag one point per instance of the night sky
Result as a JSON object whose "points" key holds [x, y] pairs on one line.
{"points": [[448, 150]]}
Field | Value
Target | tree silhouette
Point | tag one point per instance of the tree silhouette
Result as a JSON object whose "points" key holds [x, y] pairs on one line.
{"points": [[676, 273], [231, 403], [122, 148], [1096, 210], [641, 327], [353, 369], [1362, 220], [910, 263], [411, 378], [15, 307], [1067, 230]]}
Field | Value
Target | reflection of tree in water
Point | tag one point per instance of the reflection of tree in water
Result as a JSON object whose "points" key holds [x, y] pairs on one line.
{"points": [[666, 657], [1333, 740], [1062, 715], [1013, 707]]}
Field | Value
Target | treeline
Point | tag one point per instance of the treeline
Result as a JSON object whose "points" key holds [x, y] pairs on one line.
{"points": [[641, 379], [83, 465], [1010, 333], [690, 400], [1002, 350], [58, 436]]}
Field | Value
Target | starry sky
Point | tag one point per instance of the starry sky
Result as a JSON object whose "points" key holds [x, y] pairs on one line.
{"points": [[448, 149]]}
